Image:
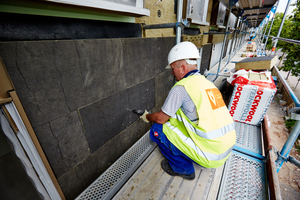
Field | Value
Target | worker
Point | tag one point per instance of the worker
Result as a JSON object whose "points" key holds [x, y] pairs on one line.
{"points": [[194, 124]]}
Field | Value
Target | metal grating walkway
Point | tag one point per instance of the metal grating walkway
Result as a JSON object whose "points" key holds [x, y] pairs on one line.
{"points": [[244, 175], [106, 185], [243, 178], [249, 139]]}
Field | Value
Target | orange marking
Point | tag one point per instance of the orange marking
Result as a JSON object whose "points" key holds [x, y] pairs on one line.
{"points": [[215, 98]]}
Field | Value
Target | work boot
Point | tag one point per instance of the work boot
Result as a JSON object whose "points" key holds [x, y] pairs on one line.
{"points": [[167, 168]]}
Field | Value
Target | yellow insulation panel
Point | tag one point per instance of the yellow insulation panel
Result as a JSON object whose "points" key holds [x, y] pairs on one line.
{"points": [[217, 38], [161, 13], [205, 29]]}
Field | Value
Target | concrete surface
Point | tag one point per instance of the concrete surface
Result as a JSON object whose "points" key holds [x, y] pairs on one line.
{"points": [[288, 192]]}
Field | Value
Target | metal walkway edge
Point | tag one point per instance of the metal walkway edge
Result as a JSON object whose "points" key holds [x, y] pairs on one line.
{"points": [[106, 185]]}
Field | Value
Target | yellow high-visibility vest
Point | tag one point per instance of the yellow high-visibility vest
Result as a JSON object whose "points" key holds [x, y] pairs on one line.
{"points": [[210, 142]]}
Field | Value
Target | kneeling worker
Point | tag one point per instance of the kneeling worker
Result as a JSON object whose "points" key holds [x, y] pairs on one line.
{"points": [[194, 124]]}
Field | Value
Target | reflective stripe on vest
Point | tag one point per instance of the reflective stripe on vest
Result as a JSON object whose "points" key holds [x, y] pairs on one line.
{"points": [[190, 142], [207, 135]]}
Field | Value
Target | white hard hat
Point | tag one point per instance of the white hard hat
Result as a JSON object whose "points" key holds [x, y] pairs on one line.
{"points": [[184, 50]]}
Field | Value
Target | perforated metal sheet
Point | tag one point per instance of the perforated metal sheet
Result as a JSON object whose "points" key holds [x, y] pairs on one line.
{"points": [[248, 137], [117, 174], [243, 178]]}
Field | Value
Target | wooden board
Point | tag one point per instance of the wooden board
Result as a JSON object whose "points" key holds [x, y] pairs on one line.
{"points": [[209, 11], [257, 63], [151, 182], [272, 176], [6, 84]]}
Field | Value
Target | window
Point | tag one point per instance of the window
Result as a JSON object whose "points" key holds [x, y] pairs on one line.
{"points": [[221, 15], [196, 11], [135, 7]]}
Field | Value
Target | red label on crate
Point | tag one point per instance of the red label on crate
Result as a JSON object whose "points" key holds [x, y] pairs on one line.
{"points": [[235, 101]]}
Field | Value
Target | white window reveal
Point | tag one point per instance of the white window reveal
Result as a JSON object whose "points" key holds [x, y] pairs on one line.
{"points": [[126, 6], [23, 146], [221, 15], [21, 154], [232, 20], [196, 11]]}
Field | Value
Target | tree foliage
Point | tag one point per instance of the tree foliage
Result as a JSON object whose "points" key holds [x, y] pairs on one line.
{"points": [[286, 29], [290, 30], [292, 62]]}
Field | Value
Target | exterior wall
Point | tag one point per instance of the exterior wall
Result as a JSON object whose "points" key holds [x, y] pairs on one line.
{"points": [[215, 54], [229, 47], [77, 93], [232, 45], [21, 27], [205, 58]]}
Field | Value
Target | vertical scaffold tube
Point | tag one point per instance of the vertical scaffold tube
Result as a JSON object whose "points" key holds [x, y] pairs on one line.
{"points": [[225, 38], [281, 25], [179, 19], [270, 27]]}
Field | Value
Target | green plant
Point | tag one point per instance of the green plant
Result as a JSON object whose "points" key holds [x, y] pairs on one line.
{"points": [[298, 148], [289, 124]]}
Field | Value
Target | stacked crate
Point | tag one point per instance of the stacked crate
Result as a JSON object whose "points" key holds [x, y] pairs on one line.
{"points": [[251, 47]]}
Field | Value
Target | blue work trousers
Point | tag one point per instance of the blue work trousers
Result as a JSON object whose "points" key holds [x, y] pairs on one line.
{"points": [[178, 161]]}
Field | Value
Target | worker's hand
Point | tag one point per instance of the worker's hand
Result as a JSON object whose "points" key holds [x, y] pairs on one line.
{"points": [[144, 118]]}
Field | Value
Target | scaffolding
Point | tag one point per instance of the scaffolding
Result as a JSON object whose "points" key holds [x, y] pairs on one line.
{"points": [[250, 172]]}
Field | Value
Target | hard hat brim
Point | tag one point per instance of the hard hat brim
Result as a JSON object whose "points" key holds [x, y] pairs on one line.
{"points": [[191, 62]]}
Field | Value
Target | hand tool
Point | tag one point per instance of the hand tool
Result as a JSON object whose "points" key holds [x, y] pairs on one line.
{"points": [[138, 112]]}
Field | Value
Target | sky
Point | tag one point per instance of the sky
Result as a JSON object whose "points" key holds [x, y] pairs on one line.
{"points": [[282, 6]]}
